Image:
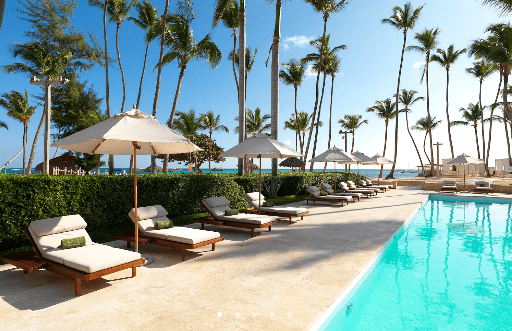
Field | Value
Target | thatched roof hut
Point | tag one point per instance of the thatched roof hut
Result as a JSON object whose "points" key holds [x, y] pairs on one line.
{"points": [[158, 169], [292, 162], [66, 160], [249, 166]]}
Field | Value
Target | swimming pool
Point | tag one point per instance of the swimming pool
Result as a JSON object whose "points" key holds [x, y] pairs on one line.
{"points": [[450, 269]]}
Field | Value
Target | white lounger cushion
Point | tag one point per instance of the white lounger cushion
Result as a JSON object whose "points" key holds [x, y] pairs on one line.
{"points": [[449, 183], [60, 224], [315, 191], [146, 225], [92, 258], [248, 218], [216, 202], [284, 210], [52, 242], [149, 212], [254, 196], [183, 235], [482, 184], [328, 189]]}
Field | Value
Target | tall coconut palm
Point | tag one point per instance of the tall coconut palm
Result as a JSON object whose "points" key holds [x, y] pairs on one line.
{"points": [[118, 10], [426, 125], [255, 122], [403, 19], [481, 70], [186, 123], [146, 20], [300, 130], [352, 123], [294, 75], [427, 40], [291, 124], [274, 87], [445, 60], [17, 106], [326, 7], [249, 63], [471, 115], [4, 125], [333, 67], [184, 48], [2, 7], [407, 99], [384, 109], [211, 123], [502, 6]]}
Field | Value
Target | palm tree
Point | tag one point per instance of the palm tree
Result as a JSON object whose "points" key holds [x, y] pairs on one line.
{"points": [[427, 40], [293, 76], [186, 123], [249, 63], [471, 115], [4, 125], [291, 124], [2, 7], [384, 109], [482, 70], [502, 6], [17, 108], [118, 10], [426, 125], [352, 123], [407, 98], [332, 69], [326, 7], [147, 19], [305, 122], [402, 19], [445, 60], [211, 123], [255, 122]]}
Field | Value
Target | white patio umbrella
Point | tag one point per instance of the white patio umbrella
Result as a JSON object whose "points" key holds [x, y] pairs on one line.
{"points": [[380, 160], [130, 133], [363, 159], [335, 155], [260, 146], [465, 159]]}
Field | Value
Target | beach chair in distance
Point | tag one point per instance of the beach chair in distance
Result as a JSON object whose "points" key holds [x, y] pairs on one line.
{"points": [[180, 238], [328, 188], [369, 184], [254, 204], [217, 206], [316, 196], [81, 264], [449, 186], [482, 187], [346, 187]]}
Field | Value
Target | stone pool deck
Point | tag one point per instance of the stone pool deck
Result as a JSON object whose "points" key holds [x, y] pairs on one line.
{"points": [[278, 280]]}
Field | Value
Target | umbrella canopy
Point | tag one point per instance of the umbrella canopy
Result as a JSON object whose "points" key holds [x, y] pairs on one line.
{"points": [[465, 159], [292, 162], [335, 154], [364, 159], [260, 146], [381, 160]]}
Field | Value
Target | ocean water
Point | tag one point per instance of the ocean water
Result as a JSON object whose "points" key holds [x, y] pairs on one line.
{"points": [[451, 269], [372, 173]]}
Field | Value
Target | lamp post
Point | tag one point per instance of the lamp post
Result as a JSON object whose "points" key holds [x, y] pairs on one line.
{"points": [[345, 137], [47, 83]]}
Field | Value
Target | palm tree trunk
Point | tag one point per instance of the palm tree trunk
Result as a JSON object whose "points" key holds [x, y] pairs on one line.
{"points": [[482, 117], [317, 93], [107, 90], [410, 135], [447, 113], [297, 125], [34, 144], [384, 152], [158, 79], [142, 76], [429, 124], [392, 172], [233, 62], [330, 118], [209, 152], [131, 165], [353, 139], [2, 7], [98, 164], [507, 137], [476, 137], [506, 72], [241, 86], [317, 123], [424, 148], [120, 66], [24, 146], [274, 98]]}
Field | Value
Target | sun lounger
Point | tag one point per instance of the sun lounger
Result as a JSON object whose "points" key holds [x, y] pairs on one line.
{"points": [[363, 184], [346, 188], [81, 264], [217, 207], [352, 186], [369, 184], [179, 237], [316, 196], [328, 188], [482, 187], [449, 185], [252, 199]]}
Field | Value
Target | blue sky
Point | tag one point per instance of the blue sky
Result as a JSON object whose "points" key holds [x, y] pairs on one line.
{"points": [[369, 73]]}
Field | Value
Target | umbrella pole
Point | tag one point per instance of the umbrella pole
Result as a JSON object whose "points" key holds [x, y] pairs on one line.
{"points": [[259, 197], [464, 177], [335, 178], [135, 195]]}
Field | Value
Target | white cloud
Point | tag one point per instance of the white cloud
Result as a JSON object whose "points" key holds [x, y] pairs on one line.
{"points": [[287, 142], [310, 72], [299, 41], [418, 64]]}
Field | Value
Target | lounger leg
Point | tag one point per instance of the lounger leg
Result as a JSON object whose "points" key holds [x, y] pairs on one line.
{"points": [[213, 246], [270, 228], [183, 254], [78, 286], [127, 244], [252, 232], [290, 220], [134, 271], [202, 226], [302, 218]]}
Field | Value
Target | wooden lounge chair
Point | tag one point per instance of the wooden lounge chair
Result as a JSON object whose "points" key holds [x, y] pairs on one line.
{"points": [[315, 196], [80, 264], [482, 187], [180, 238], [252, 199], [449, 186], [346, 188], [217, 206], [328, 188], [367, 183]]}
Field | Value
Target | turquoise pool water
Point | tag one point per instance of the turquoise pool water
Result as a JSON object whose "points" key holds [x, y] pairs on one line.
{"points": [[450, 269]]}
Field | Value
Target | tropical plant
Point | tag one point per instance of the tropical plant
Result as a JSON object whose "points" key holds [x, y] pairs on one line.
{"points": [[186, 123], [147, 19], [4, 125], [293, 76], [249, 62], [426, 125], [481, 70], [211, 123], [407, 99], [17, 106], [352, 123], [471, 115], [403, 19], [333, 67], [211, 151], [385, 110], [445, 60], [502, 6], [2, 7], [326, 7], [255, 122], [427, 40]]}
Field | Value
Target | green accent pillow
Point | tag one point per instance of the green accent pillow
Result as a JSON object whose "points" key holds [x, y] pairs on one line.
{"points": [[72, 242], [163, 224], [323, 193], [268, 204], [231, 212]]}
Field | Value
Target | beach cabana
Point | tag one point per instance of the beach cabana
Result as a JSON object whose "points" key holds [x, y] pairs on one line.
{"points": [[465, 159]]}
